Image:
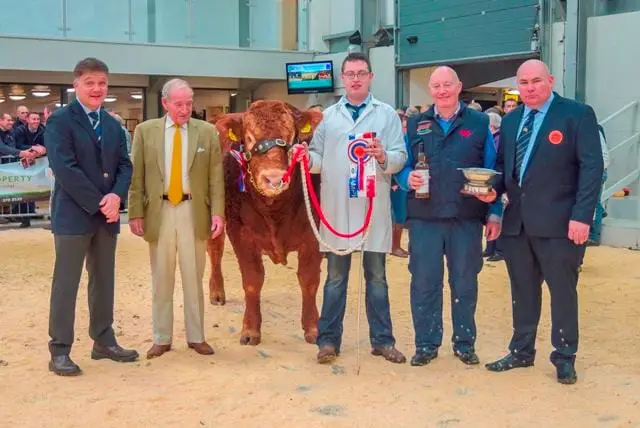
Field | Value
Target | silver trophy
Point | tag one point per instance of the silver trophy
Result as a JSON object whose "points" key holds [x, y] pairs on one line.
{"points": [[478, 180]]}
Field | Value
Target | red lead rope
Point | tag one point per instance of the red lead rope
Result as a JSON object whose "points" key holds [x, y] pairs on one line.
{"points": [[316, 204]]}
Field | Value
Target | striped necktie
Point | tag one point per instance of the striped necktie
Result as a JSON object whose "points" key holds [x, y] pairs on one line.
{"points": [[522, 143], [95, 123]]}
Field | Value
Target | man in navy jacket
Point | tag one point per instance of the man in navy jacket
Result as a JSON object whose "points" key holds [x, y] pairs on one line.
{"points": [[552, 168], [88, 155]]}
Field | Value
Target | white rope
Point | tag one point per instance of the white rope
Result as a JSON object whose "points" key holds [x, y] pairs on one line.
{"points": [[314, 228], [360, 245]]}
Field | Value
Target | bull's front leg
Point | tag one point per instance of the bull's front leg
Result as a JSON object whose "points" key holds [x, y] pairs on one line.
{"points": [[215, 248], [309, 261], [252, 270]]}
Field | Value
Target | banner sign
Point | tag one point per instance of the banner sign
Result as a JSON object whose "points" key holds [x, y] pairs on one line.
{"points": [[19, 184]]}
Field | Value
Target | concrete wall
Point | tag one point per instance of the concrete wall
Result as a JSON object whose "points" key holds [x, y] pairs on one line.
{"points": [[612, 82], [61, 55], [419, 86], [384, 82]]}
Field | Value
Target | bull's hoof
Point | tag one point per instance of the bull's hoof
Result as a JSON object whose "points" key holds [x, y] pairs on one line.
{"points": [[250, 338], [311, 336], [217, 298]]}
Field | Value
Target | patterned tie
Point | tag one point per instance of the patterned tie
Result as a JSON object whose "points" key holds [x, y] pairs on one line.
{"points": [[522, 143], [95, 123], [175, 180]]}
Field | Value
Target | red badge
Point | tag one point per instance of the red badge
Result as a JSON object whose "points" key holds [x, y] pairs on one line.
{"points": [[465, 133], [555, 137]]}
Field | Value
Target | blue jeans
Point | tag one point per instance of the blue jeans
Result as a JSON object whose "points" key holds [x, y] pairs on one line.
{"points": [[335, 300], [596, 227], [461, 242]]}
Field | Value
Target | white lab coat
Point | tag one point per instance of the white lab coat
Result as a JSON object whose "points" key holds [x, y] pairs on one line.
{"points": [[328, 155]]}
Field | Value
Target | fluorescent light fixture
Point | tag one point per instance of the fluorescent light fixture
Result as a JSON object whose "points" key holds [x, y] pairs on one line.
{"points": [[233, 94], [58, 105], [513, 92], [136, 96], [40, 94], [71, 89], [2, 100], [109, 99], [17, 97]]}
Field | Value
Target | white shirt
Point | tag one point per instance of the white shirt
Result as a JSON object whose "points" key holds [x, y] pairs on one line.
{"points": [[169, 132]]}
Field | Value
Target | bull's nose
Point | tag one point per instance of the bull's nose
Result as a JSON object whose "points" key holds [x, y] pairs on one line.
{"points": [[273, 179]]}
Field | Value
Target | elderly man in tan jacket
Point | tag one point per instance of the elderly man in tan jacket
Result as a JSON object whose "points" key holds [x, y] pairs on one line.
{"points": [[176, 202]]}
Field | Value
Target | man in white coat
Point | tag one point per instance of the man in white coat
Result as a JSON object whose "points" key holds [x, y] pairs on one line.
{"points": [[357, 112]]}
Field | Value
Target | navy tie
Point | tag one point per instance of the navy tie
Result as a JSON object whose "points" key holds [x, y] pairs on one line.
{"points": [[522, 143], [95, 123], [355, 111]]}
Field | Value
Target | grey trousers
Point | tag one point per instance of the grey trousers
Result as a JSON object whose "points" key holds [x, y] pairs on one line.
{"points": [[71, 250]]}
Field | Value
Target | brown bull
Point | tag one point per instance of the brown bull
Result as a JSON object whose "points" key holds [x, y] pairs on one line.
{"points": [[269, 217]]}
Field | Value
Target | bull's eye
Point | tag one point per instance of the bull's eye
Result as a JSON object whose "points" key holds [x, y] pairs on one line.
{"points": [[280, 142]]}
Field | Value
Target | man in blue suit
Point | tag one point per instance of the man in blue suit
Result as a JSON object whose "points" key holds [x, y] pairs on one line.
{"points": [[551, 160], [88, 155]]}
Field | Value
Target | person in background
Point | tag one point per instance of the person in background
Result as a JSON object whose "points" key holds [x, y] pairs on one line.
{"points": [[475, 106], [124, 128], [509, 105], [22, 115], [493, 252], [596, 226]]}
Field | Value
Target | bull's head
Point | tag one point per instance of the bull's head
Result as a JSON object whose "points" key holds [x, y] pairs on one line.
{"points": [[266, 133]]}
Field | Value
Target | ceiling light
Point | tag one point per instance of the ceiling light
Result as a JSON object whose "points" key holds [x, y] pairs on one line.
{"points": [[233, 94], [109, 99], [17, 97], [58, 105], [513, 92], [40, 94], [2, 100], [136, 96], [71, 89]]}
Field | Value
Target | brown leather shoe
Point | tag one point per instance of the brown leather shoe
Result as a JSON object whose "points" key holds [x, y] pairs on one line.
{"points": [[157, 351], [327, 354], [390, 353], [202, 348]]}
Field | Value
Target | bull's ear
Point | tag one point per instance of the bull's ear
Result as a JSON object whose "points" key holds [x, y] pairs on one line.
{"points": [[229, 127], [307, 122]]}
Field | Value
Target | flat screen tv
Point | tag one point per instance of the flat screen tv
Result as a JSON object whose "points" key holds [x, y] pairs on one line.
{"points": [[309, 77]]}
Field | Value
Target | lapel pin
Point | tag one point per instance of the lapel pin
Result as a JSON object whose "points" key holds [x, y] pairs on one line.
{"points": [[555, 137]]}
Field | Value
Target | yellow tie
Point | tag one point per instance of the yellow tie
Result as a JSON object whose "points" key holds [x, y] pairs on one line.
{"points": [[175, 180]]}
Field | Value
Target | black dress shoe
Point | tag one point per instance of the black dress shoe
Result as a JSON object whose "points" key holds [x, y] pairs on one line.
{"points": [[423, 357], [114, 353], [566, 373], [470, 358], [62, 365], [507, 363], [496, 257]]}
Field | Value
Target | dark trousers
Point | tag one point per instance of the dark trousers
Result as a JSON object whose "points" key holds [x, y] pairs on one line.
{"points": [[335, 300], [429, 242], [494, 247], [530, 260], [71, 250]]}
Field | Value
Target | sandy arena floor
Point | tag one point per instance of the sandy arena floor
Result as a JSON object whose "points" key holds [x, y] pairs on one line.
{"points": [[278, 384]]}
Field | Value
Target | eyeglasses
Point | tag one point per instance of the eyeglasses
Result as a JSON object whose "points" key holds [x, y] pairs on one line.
{"points": [[350, 75]]}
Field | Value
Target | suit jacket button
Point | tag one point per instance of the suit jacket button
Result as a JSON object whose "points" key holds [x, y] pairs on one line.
{"points": [[105, 175]]}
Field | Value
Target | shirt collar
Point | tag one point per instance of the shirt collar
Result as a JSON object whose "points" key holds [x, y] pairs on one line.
{"points": [[366, 101], [169, 123], [86, 109], [543, 108], [455, 113]]}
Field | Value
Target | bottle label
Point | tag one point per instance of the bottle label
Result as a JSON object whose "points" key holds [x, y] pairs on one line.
{"points": [[425, 176]]}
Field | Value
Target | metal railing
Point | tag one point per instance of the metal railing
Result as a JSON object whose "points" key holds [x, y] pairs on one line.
{"points": [[624, 156]]}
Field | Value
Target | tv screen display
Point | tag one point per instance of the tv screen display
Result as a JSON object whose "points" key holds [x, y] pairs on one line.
{"points": [[310, 77]]}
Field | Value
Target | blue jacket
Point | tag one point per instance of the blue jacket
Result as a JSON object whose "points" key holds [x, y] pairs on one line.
{"points": [[463, 142], [85, 169]]}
